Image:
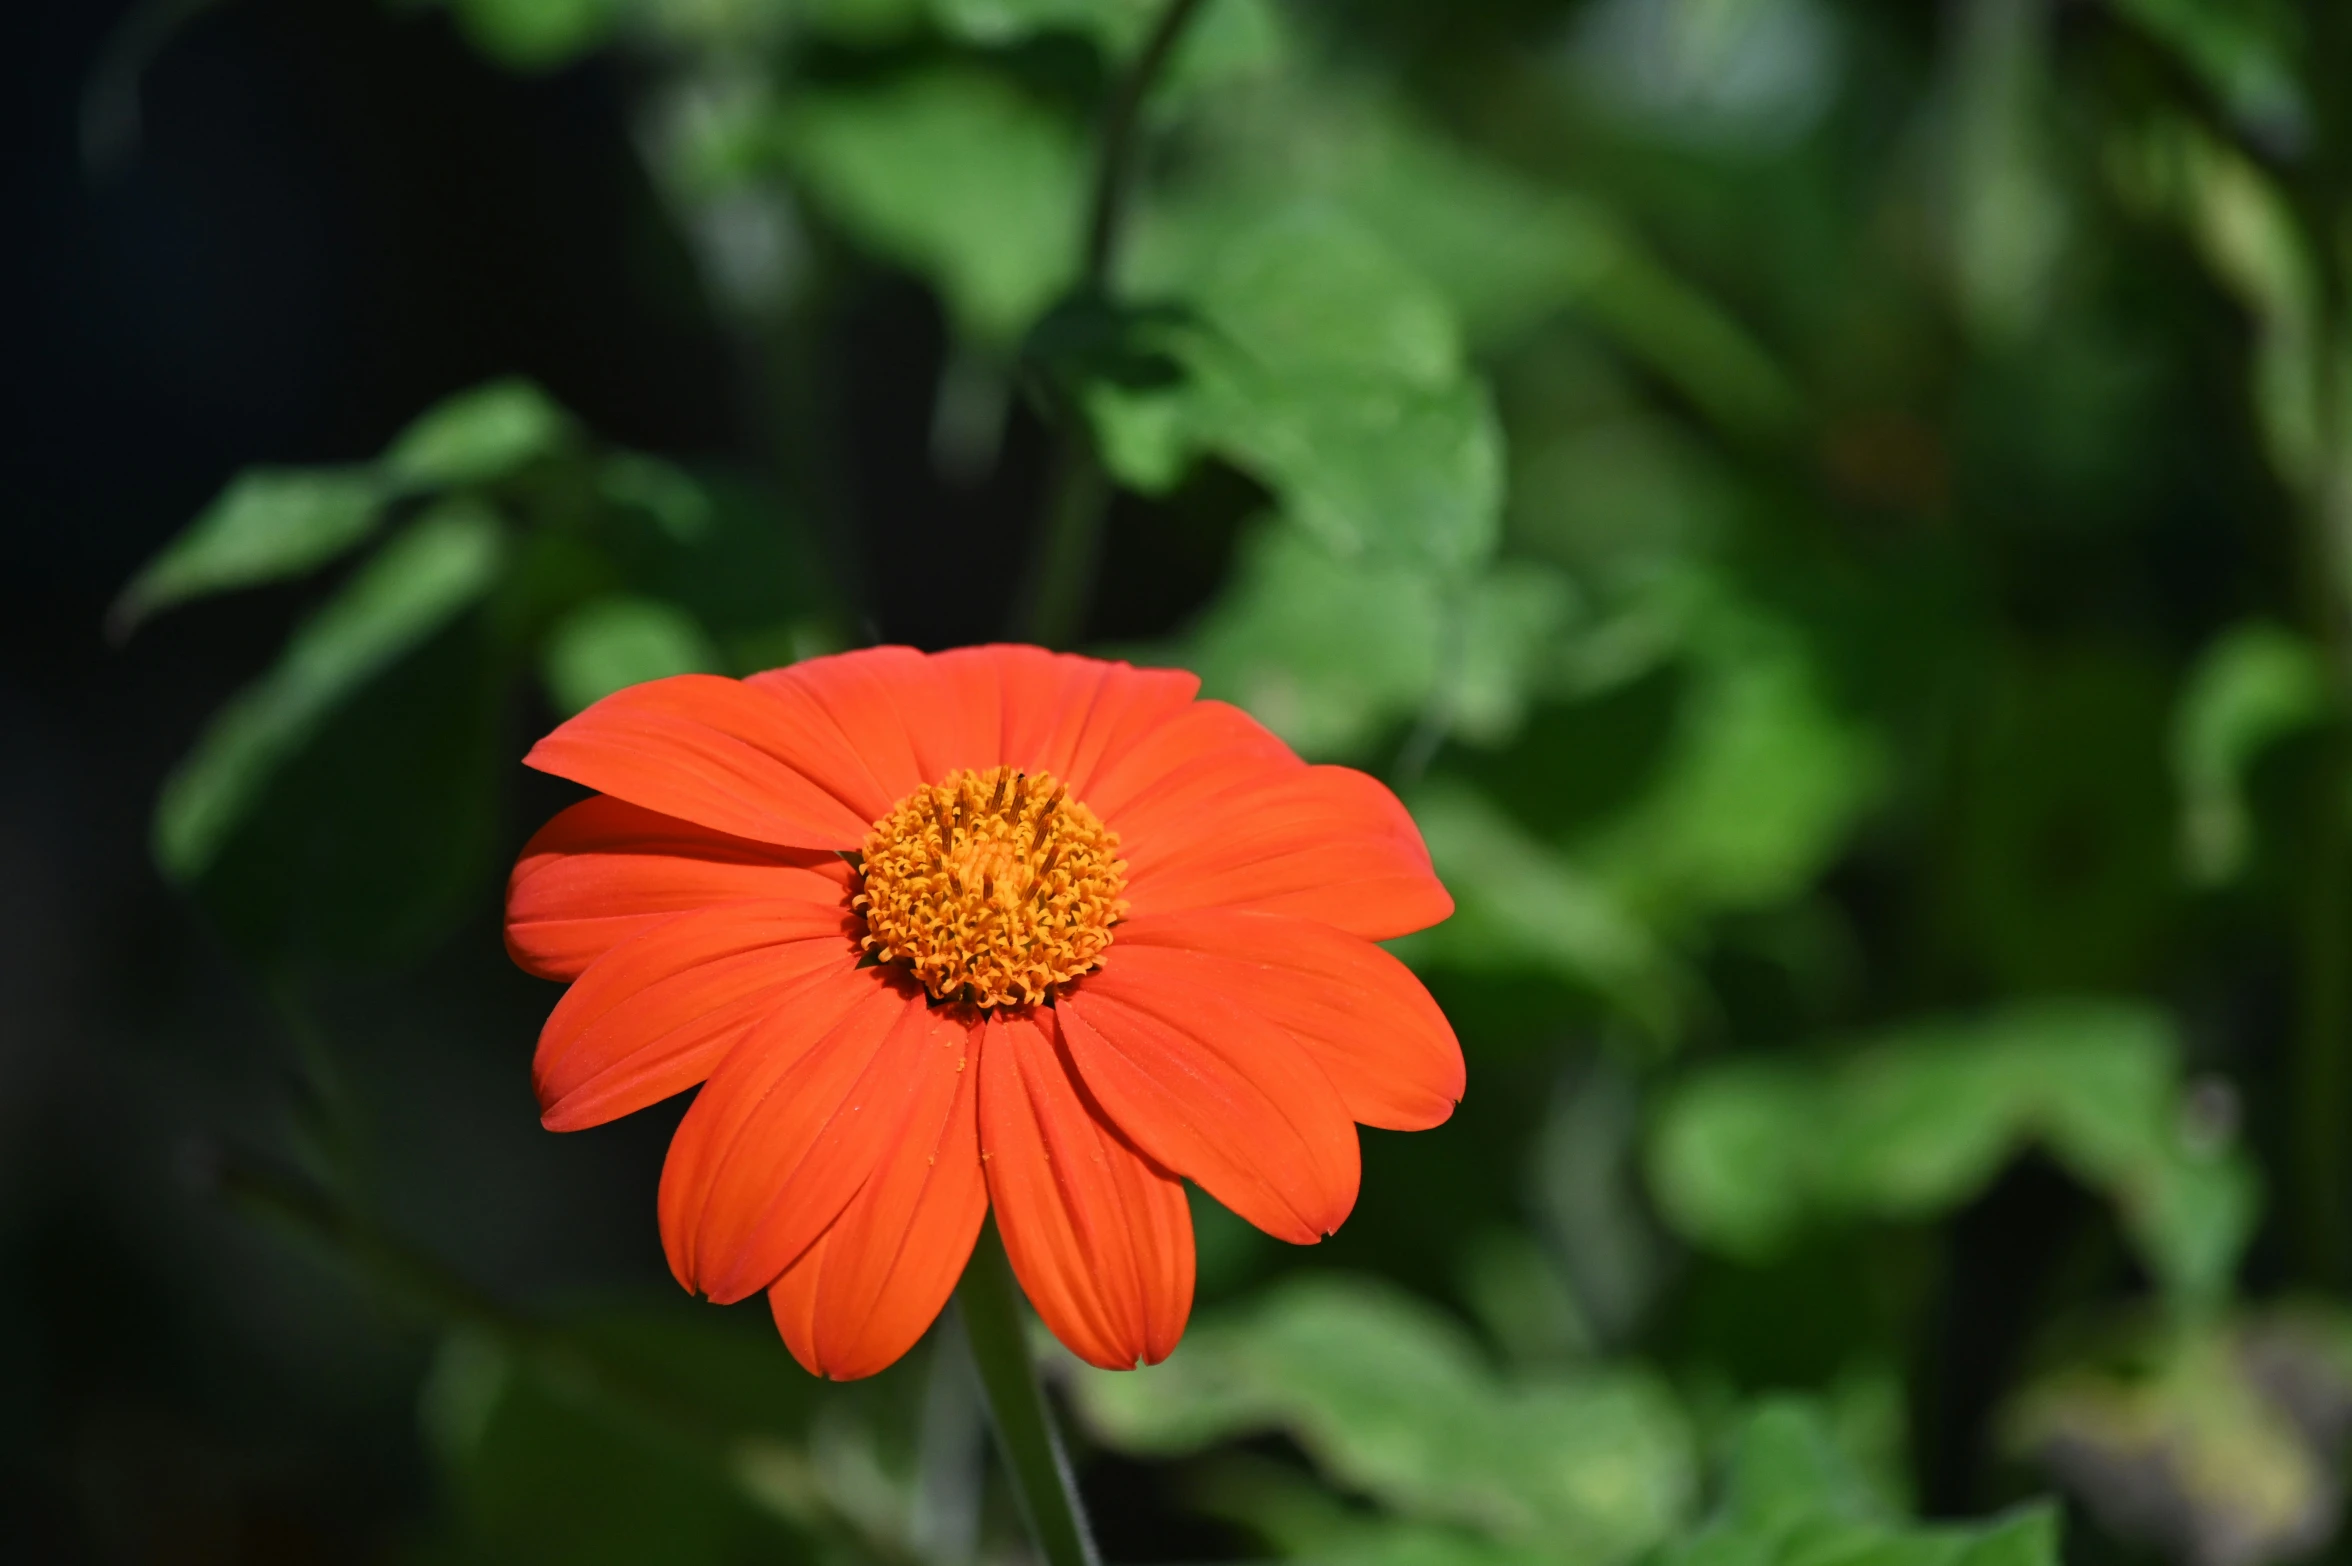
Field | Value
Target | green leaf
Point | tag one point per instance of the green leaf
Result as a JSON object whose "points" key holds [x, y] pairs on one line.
{"points": [[1324, 366], [628, 1438], [478, 437], [1504, 250], [1915, 1123], [2245, 49], [269, 525], [1520, 905], [1390, 1399], [1764, 782], [1302, 1521], [956, 174], [1117, 25], [424, 577], [1336, 655], [678, 505], [1229, 39], [1790, 1498], [609, 643], [2252, 686], [536, 35]]}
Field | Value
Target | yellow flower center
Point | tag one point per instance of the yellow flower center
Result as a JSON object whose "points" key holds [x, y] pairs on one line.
{"points": [[992, 887]]}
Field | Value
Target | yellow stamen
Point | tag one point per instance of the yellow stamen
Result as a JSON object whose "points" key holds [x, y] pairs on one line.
{"points": [[999, 902]]}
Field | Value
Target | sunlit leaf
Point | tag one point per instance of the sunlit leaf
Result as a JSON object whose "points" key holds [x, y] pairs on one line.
{"points": [[1303, 1521], [1765, 780], [1745, 1156], [536, 35], [1324, 366], [1336, 655], [1505, 250], [612, 642], [1227, 39], [478, 437], [2253, 686], [426, 575], [1118, 25], [269, 525], [957, 175], [1791, 1498], [1391, 1400]]}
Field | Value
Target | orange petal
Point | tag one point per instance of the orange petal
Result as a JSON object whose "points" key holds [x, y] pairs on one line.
{"points": [[764, 763], [1322, 843], [1100, 1237], [1069, 715], [858, 691], [1213, 1092], [1367, 1021], [837, 1022], [606, 870], [917, 718], [1192, 759], [657, 1013], [812, 1142], [859, 1297], [957, 718], [792, 1300]]}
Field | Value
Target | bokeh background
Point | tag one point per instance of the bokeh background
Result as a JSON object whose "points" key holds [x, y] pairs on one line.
{"points": [[1836, 516]]}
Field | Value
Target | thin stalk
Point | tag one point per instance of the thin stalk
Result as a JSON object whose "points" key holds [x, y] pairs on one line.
{"points": [[1078, 493], [1077, 499], [1114, 153], [990, 1303]]}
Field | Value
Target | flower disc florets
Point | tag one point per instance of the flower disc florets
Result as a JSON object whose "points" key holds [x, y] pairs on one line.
{"points": [[992, 887]]}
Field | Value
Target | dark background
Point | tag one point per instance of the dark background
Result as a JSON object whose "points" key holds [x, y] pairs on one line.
{"points": [[332, 215]]}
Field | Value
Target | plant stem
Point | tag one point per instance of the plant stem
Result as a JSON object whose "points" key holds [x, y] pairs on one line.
{"points": [[1077, 498], [990, 1304], [1078, 494], [1114, 153]]}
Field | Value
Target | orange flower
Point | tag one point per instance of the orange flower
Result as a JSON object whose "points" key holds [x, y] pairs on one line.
{"points": [[992, 928]]}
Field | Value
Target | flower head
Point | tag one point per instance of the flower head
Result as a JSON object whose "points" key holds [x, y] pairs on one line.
{"points": [[989, 929]]}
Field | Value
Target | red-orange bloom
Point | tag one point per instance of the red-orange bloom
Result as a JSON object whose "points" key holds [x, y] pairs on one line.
{"points": [[995, 928]]}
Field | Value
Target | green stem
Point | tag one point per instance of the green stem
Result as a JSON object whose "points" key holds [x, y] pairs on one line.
{"points": [[1078, 495], [990, 1303], [1114, 154]]}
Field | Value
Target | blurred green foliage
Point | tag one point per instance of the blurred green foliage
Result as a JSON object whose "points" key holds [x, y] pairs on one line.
{"points": [[1838, 521]]}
